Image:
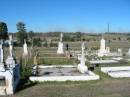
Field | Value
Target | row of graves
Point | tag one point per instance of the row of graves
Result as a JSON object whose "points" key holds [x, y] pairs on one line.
{"points": [[72, 72], [80, 72], [10, 73]]}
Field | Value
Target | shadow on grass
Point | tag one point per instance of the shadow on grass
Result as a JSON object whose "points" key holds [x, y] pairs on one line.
{"points": [[24, 84]]}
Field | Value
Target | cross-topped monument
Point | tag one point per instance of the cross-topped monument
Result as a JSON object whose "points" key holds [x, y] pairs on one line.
{"points": [[9, 70], [2, 66], [10, 62], [82, 67]]}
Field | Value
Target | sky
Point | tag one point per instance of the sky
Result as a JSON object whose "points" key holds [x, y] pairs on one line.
{"points": [[67, 15]]}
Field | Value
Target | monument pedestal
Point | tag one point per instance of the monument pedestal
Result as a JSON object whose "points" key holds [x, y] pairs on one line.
{"points": [[10, 62], [82, 69], [60, 48], [2, 67]]}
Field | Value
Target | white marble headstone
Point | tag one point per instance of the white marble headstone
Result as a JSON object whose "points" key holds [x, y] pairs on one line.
{"points": [[1, 54], [81, 66], [10, 46], [25, 49], [60, 46]]}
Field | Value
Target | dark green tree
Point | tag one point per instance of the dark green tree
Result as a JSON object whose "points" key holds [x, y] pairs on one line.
{"points": [[21, 34], [78, 36], [3, 30], [31, 34]]}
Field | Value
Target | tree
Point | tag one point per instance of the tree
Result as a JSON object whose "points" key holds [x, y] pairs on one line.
{"points": [[78, 36], [21, 34], [3, 30], [31, 34]]}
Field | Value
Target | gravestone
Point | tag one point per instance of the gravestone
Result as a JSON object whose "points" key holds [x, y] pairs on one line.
{"points": [[60, 46], [10, 45], [82, 67], [2, 67], [102, 49], [107, 49], [25, 49], [119, 50], [10, 62], [1, 54]]}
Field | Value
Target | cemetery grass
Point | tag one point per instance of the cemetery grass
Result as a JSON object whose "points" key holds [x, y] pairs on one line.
{"points": [[105, 87]]}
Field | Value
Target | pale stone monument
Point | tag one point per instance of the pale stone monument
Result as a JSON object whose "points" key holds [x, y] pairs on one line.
{"points": [[107, 49], [10, 62], [119, 50], [2, 66], [1, 54], [129, 51], [60, 46], [25, 49], [82, 67], [10, 75], [102, 49]]}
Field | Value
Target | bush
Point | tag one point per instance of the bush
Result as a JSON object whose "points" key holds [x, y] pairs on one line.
{"points": [[25, 71]]}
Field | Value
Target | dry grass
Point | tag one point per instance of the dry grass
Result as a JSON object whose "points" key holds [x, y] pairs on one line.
{"points": [[102, 88]]}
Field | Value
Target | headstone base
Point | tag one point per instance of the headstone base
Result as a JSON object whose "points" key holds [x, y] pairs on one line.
{"points": [[10, 62], [2, 67]]}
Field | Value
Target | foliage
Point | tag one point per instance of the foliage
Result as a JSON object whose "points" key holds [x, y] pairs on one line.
{"points": [[78, 36], [3, 30], [31, 34], [21, 34], [53, 44], [37, 42], [55, 61], [119, 38], [25, 71], [68, 37]]}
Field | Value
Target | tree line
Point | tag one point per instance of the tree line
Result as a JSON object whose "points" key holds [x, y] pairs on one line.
{"points": [[44, 39]]}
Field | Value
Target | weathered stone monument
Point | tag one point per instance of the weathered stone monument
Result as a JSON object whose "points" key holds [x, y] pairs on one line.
{"points": [[25, 49], [129, 51], [60, 46], [119, 50], [2, 66], [107, 49], [9, 72], [82, 67], [10, 62], [102, 49]]}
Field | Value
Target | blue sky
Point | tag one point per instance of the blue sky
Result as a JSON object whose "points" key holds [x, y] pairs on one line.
{"points": [[67, 15]]}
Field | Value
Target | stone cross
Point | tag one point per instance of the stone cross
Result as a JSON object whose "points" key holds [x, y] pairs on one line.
{"points": [[82, 67]]}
